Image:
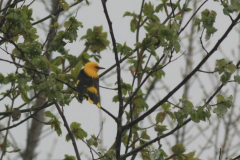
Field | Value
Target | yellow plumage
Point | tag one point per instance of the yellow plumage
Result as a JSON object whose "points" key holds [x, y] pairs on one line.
{"points": [[88, 83]]}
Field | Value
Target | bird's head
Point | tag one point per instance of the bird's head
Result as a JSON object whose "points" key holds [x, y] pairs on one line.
{"points": [[91, 69]]}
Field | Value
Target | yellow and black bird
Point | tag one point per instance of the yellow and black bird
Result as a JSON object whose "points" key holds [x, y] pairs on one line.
{"points": [[88, 83]]}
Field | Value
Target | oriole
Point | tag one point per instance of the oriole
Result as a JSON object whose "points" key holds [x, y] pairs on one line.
{"points": [[88, 83]]}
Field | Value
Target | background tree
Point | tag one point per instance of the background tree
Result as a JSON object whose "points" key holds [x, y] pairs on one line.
{"points": [[174, 88]]}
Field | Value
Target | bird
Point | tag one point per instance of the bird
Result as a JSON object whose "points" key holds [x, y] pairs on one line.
{"points": [[88, 83]]}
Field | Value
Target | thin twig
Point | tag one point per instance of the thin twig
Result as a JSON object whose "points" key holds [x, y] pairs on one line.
{"points": [[155, 140], [182, 29], [106, 111], [206, 71], [68, 129], [202, 42], [56, 13], [15, 125], [186, 78], [120, 112], [10, 5], [46, 74], [220, 154]]}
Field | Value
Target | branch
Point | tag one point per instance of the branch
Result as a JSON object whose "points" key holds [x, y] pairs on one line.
{"points": [[46, 74], [120, 112], [202, 42], [10, 5], [186, 79], [109, 113], [56, 13], [206, 71], [155, 140], [116, 57], [135, 92], [171, 132], [24, 110], [15, 125], [68, 129], [236, 158], [192, 17]]}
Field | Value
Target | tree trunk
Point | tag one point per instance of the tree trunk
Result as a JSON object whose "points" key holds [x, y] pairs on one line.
{"points": [[36, 127]]}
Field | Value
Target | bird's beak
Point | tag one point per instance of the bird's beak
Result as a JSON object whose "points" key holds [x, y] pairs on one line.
{"points": [[101, 68]]}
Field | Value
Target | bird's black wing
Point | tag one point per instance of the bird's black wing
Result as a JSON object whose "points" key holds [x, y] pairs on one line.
{"points": [[83, 81], [95, 97]]}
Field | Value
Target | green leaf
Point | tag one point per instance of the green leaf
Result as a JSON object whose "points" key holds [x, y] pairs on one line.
{"points": [[111, 155], [123, 49], [194, 117], [230, 68], [24, 97], [133, 25], [64, 5], [50, 115], [72, 26], [54, 122], [125, 139], [76, 70], [159, 73], [208, 19], [236, 79], [93, 141], [144, 135], [55, 69], [78, 132], [188, 156], [160, 129], [84, 57], [180, 116], [126, 88], [197, 22], [166, 106], [158, 154], [185, 8], [176, 46], [178, 149], [160, 117], [67, 157], [225, 77], [96, 39], [41, 62], [159, 8], [115, 99], [57, 61], [1, 78], [225, 67], [10, 78], [223, 104], [127, 14], [72, 60], [220, 65], [148, 9]]}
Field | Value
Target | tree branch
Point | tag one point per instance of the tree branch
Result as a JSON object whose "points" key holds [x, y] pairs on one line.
{"points": [[185, 79], [15, 125], [68, 129], [56, 13], [120, 112], [155, 140]]}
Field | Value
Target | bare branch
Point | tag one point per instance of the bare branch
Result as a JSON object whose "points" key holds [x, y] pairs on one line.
{"points": [[68, 129]]}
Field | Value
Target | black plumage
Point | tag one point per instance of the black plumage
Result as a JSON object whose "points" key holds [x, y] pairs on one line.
{"points": [[85, 88]]}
